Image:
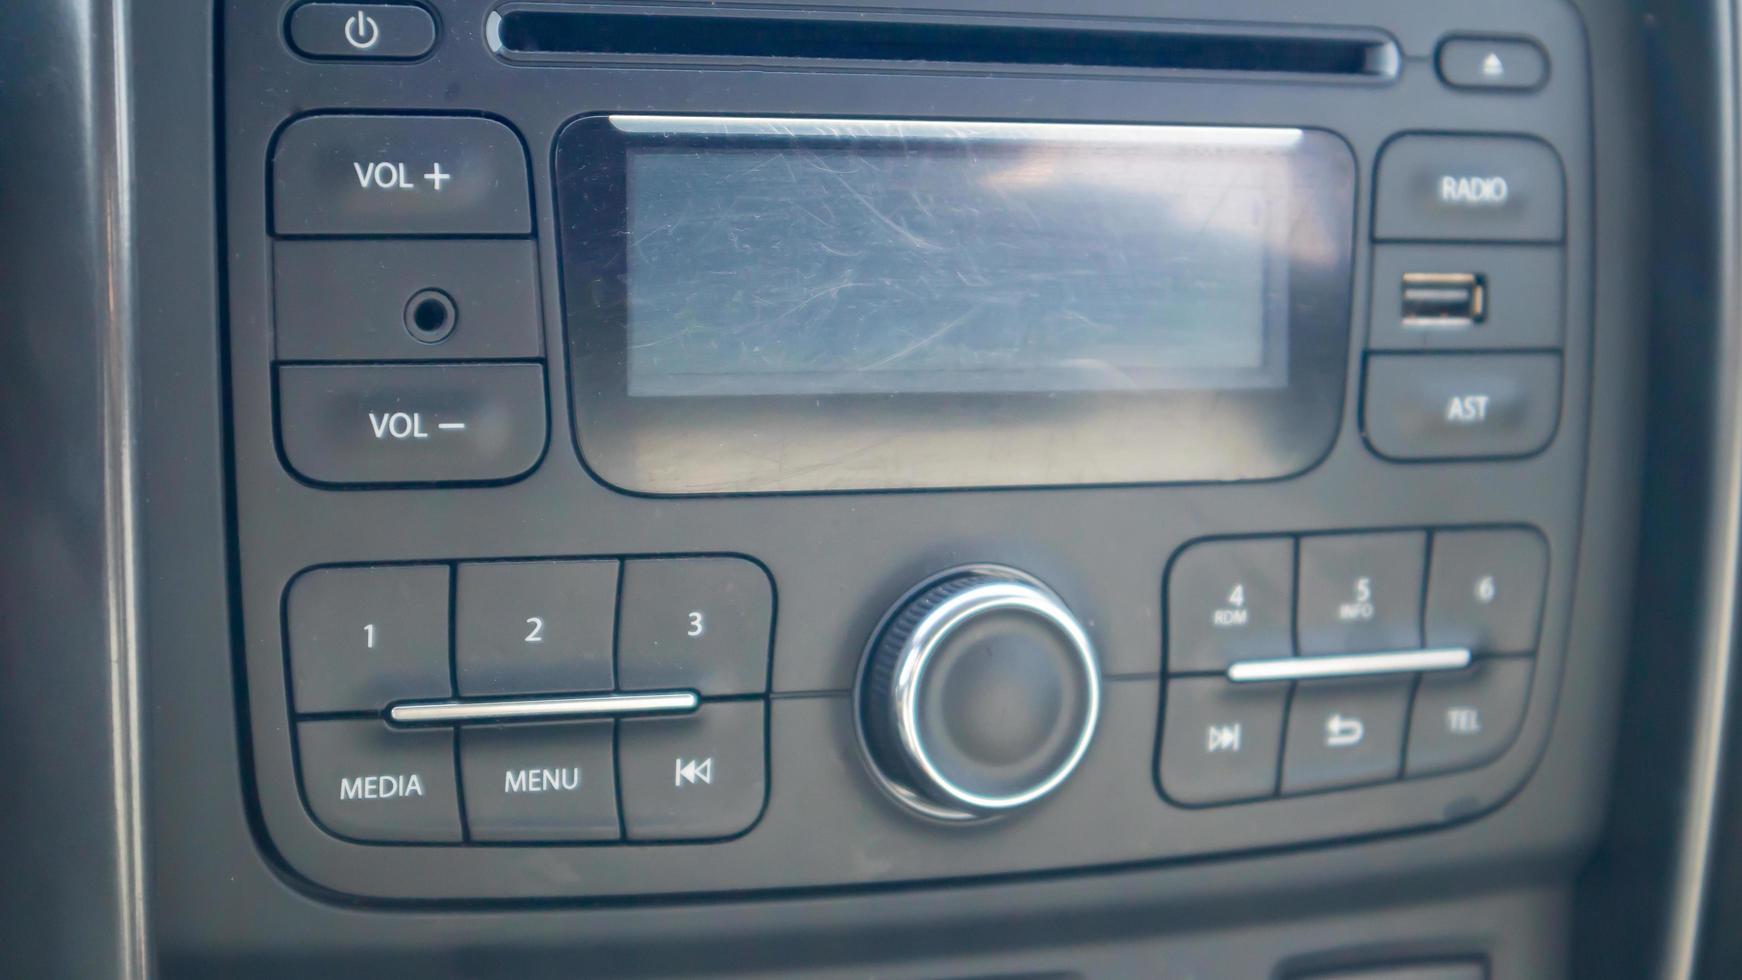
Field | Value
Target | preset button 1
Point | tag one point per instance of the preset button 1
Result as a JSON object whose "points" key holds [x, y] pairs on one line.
{"points": [[422, 423], [360, 638]]}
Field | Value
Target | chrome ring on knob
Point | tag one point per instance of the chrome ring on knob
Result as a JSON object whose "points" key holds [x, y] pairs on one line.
{"points": [[942, 798]]}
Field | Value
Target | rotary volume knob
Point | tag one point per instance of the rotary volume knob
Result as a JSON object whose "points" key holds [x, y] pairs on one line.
{"points": [[978, 695]]}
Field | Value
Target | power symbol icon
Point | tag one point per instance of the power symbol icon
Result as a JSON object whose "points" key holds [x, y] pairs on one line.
{"points": [[361, 31]]}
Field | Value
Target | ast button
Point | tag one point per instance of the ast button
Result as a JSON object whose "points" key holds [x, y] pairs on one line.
{"points": [[535, 627], [1228, 601], [1344, 733], [1361, 593], [411, 423], [540, 782], [1464, 719], [700, 623], [1484, 590], [1476, 62], [369, 30], [1453, 406], [363, 637], [1469, 188], [368, 782], [693, 777], [1221, 741], [399, 175]]}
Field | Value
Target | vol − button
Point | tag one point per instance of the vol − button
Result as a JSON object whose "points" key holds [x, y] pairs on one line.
{"points": [[435, 423]]}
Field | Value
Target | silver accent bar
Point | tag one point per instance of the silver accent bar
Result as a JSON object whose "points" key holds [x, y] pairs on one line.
{"points": [[1349, 665], [544, 709]]}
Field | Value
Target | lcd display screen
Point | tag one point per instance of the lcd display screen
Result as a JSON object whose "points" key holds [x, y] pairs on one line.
{"points": [[832, 257]]}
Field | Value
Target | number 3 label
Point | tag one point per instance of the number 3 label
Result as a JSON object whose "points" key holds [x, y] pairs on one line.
{"points": [[697, 626]]}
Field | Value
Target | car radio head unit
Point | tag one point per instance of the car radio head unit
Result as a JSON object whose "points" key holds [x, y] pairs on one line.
{"points": [[764, 304], [685, 449]]}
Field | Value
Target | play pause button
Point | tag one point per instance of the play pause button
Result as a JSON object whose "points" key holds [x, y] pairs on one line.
{"points": [[696, 777]]}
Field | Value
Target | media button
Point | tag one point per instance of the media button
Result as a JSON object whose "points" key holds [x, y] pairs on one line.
{"points": [[699, 776], [366, 781], [1221, 741], [399, 175], [422, 423]]}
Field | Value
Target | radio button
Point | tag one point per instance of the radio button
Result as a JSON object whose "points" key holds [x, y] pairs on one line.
{"points": [[399, 175], [697, 623], [363, 637], [423, 423], [1221, 742], [1228, 601], [1485, 588], [1469, 188], [540, 782], [534, 627], [1465, 719], [368, 782], [1361, 593], [1469, 405], [703, 775], [1345, 733]]}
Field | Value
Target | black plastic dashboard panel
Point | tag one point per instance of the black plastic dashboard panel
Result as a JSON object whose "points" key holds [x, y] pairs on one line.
{"points": [[838, 562]]}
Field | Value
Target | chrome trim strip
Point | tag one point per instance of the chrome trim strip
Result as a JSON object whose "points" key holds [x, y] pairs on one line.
{"points": [[545, 709], [1349, 665]]}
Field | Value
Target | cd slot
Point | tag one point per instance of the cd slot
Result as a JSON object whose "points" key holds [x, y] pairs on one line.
{"points": [[647, 34]]}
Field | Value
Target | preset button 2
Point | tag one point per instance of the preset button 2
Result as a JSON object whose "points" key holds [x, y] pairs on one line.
{"points": [[534, 627]]}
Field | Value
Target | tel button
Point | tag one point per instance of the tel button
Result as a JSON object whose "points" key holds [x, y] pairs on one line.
{"points": [[368, 782], [1469, 188], [399, 175], [1465, 719], [699, 776], [1220, 741], [700, 623], [422, 423], [1460, 406]]}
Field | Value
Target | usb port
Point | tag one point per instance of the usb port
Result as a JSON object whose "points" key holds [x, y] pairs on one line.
{"points": [[1444, 300]]}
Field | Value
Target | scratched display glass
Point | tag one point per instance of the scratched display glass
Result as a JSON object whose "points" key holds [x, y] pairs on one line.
{"points": [[934, 264], [757, 305]]}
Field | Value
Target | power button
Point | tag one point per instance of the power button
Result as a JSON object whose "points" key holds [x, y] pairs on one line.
{"points": [[368, 30]]}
